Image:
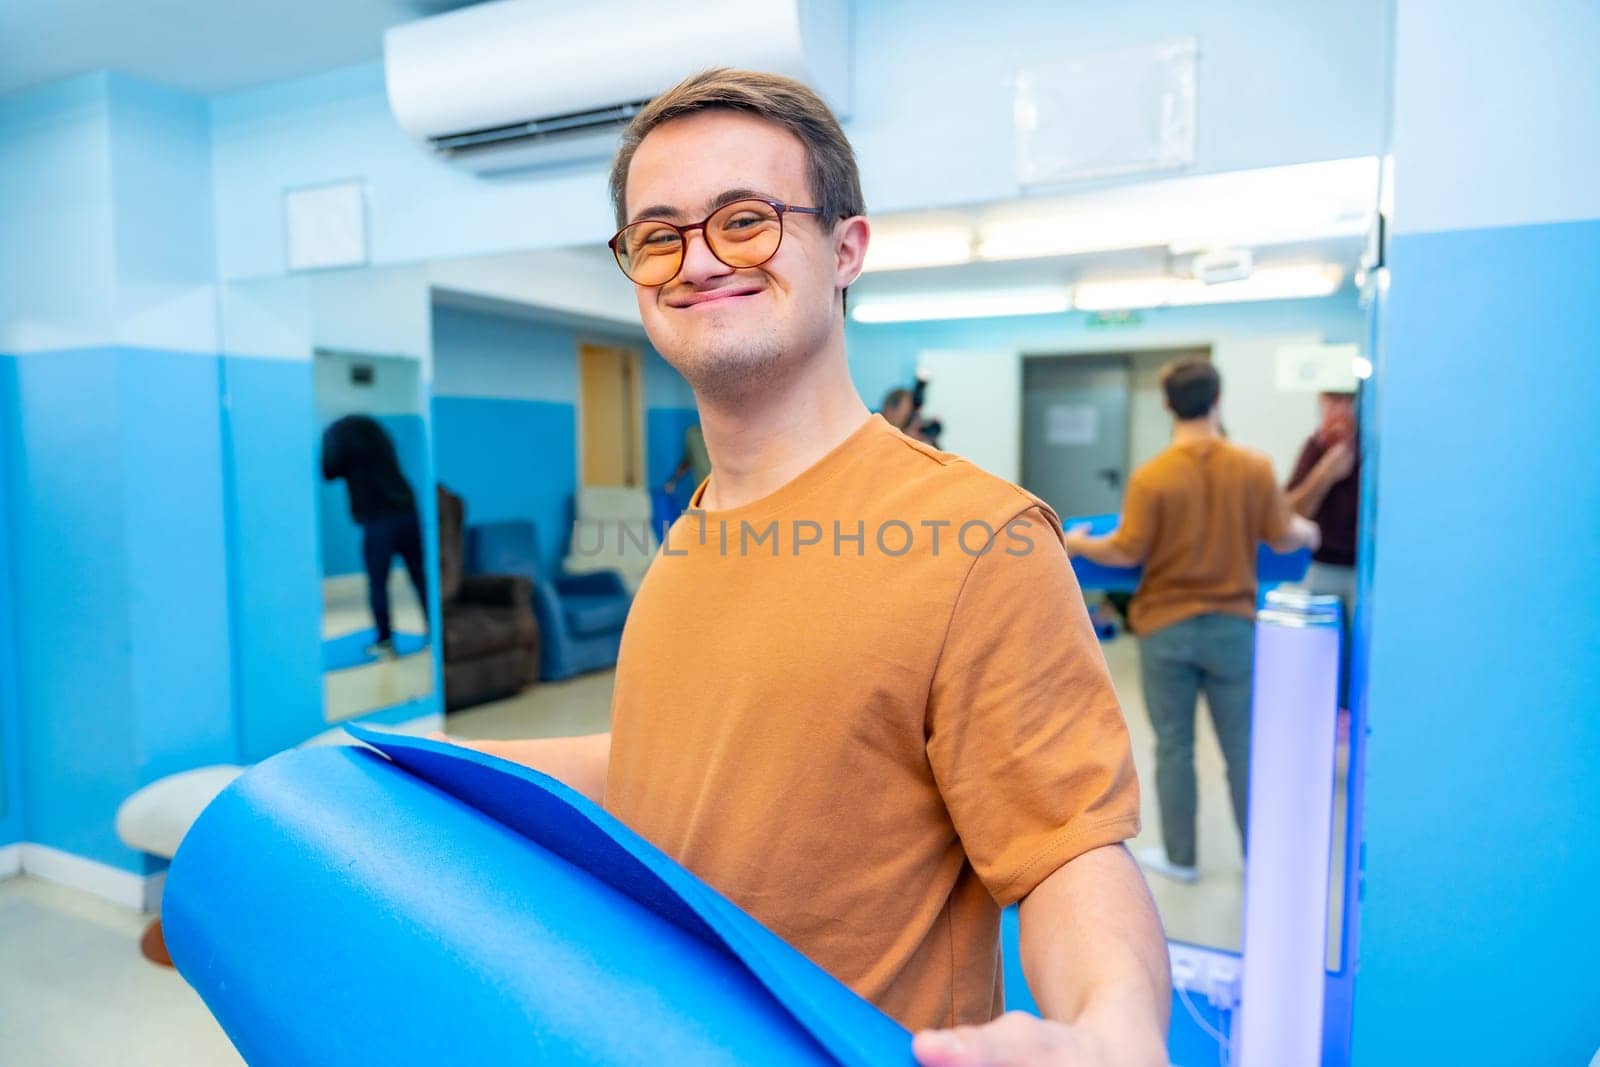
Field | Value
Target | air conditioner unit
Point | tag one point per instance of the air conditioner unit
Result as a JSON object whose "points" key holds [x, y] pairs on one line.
{"points": [[522, 83]]}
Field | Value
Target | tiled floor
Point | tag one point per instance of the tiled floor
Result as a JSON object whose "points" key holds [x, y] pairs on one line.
{"points": [[74, 990]]}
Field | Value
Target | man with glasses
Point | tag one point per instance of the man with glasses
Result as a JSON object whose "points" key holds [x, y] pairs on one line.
{"points": [[858, 691]]}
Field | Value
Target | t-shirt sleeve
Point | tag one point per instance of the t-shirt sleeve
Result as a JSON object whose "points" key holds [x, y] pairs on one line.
{"points": [[1025, 735], [1141, 515], [1275, 510]]}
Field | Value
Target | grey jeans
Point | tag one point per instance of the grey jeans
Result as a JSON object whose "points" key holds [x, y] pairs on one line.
{"points": [[1214, 654]]}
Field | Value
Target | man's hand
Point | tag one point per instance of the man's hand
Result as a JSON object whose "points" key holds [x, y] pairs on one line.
{"points": [[1337, 462], [1076, 535], [1019, 1040]]}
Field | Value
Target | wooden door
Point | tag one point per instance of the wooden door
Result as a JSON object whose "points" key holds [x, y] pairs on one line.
{"points": [[611, 438]]}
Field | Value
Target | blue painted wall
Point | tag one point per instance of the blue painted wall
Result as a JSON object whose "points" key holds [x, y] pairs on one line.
{"points": [[505, 418], [276, 584], [118, 554], [510, 459], [12, 819], [114, 451], [175, 543], [1482, 861], [74, 646]]}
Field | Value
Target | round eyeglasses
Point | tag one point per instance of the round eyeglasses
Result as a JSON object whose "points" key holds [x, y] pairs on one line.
{"points": [[745, 233]]}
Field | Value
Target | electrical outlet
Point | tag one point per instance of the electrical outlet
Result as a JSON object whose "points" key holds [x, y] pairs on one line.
{"points": [[1222, 984]]}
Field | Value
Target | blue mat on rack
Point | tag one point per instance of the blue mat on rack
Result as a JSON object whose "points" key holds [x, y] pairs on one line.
{"points": [[425, 904], [350, 650]]}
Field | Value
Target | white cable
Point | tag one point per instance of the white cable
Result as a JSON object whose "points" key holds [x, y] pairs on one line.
{"points": [[1224, 1043]]}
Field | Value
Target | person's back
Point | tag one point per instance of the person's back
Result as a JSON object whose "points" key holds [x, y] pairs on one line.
{"points": [[358, 449], [1198, 511], [1193, 518]]}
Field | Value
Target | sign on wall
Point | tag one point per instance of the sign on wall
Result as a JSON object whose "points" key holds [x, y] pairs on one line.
{"points": [[1122, 111]]}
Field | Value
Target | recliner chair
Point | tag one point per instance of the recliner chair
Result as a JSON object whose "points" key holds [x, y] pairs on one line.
{"points": [[580, 616], [491, 635]]}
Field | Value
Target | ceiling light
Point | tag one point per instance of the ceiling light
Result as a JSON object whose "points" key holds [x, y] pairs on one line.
{"points": [[1269, 206], [927, 307], [1274, 283], [1123, 295], [1267, 283], [917, 248]]}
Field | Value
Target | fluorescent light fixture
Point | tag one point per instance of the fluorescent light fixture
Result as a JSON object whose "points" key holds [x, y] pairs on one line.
{"points": [[1123, 295], [912, 249], [1241, 209], [1267, 283], [928, 307]]}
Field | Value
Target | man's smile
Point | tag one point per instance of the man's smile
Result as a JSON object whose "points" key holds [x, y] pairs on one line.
{"points": [[714, 297]]}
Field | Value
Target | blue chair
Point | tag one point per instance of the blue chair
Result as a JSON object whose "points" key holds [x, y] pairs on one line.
{"points": [[580, 616]]}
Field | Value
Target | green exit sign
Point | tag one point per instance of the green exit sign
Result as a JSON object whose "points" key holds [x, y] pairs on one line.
{"points": [[1112, 320]]}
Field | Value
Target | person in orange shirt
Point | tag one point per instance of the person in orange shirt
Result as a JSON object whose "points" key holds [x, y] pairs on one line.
{"points": [[1192, 518], [858, 692]]}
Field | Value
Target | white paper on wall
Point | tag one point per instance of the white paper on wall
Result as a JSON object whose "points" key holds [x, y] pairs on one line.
{"points": [[1317, 368], [1122, 111], [326, 226], [1071, 424]]}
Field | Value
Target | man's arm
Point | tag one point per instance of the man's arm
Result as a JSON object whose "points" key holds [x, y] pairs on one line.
{"points": [[1301, 533], [1307, 494], [578, 762], [1103, 550], [1096, 961]]}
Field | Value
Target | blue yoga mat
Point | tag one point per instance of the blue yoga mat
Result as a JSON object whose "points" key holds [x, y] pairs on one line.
{"points": [[426, 904], [1272, 568], [350, 650]]}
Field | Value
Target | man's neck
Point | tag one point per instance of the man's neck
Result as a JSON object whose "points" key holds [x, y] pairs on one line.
{"points": [[760, 442], [1204, 428]]}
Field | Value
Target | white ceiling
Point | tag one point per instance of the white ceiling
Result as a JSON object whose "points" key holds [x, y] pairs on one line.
{"points": [[201, 46]]}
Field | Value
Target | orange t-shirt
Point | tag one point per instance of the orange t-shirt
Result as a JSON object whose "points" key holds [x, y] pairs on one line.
{"points": [[1195, 515], [870, 731]]}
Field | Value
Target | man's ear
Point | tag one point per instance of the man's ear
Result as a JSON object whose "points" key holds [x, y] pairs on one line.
{"points": [[850, 238]]}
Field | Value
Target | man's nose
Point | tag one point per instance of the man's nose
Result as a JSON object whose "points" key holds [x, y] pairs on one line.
{"points": [[699, 265]]}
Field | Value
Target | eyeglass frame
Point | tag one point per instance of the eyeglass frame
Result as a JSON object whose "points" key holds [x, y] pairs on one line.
{"points": [[781, 209]]}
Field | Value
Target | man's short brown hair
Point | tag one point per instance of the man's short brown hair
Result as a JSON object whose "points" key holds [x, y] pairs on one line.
{"points": [[1192, 387], [831, 162]]}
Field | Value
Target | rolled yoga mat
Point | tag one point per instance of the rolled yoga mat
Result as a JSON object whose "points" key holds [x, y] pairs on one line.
{"points": [[426, 904]]}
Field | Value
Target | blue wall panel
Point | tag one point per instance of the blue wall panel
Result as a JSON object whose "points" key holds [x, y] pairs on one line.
{"points": [[175, 537], [277, 590], [74, 649], [510, 459], [1482, 859], [12, 821]]}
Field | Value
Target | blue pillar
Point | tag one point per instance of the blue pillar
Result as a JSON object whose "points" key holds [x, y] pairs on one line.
{"points": [[113, 434], [1482, 856]]}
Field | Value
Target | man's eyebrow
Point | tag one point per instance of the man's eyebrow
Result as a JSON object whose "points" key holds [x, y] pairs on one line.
{"points": [[668, 213]]}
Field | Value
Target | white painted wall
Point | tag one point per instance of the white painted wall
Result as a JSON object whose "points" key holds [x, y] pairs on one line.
{"points": [[979, 395]]}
